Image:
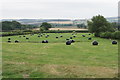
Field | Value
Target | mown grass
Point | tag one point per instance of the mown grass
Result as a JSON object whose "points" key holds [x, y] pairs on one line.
{"points": [[33, 59]]}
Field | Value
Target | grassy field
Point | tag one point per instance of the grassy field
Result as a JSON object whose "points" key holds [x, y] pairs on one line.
{"points": [[33, 59]]}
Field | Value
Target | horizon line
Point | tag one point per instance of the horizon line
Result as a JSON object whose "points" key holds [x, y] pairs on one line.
{"points": [[54, 18]]}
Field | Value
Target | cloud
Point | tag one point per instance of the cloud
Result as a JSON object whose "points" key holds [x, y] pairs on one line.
{"points": [[58, 8]]}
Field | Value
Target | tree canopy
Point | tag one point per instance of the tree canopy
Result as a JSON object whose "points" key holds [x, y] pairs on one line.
{"points": [[45, 26], [8, 25], [99, 24], [14, 25]]}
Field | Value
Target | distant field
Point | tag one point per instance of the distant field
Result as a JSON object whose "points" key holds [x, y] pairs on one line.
{"points": [[66, 29], [33, 59], [61, 22]]}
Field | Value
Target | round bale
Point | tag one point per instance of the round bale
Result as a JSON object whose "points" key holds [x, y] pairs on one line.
{"points": [[68, 43], [83, 35], [67, 39], [70, 37], [74, 36], [16, 41], [89, 38], [114, 42], [56, 37], [9, 38], [89, 34], [9, 41], [94, 43], [44, 41], [46, 36], [72, 41], [61, 36], [27, 38], [38, 36]]}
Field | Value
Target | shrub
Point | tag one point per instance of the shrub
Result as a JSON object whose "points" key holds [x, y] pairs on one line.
{"points": [[112, 35], [117, 35], [106, 35], [97, 34], [102, 35]]}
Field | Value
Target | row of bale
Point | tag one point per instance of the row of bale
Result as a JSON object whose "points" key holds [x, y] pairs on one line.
{"points": [[42, 34], [68, 42], [93, 43], [45, 41]]}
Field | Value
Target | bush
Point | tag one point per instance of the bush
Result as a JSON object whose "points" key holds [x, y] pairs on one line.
{"points": [[106, 35], [102, 35], [117, 35], [13, 33], [97, 34], [114, 35]]}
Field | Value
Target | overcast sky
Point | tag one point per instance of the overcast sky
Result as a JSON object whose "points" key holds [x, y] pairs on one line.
{"points": [[72, 9]]}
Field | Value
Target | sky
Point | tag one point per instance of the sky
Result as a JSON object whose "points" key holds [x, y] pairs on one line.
{"points": [[57, 9]]}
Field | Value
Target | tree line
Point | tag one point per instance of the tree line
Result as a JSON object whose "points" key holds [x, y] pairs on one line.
{"points": [[14, 25], [97, 25]]}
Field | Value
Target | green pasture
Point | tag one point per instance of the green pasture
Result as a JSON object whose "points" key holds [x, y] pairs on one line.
{"points": [[33, 59]]}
